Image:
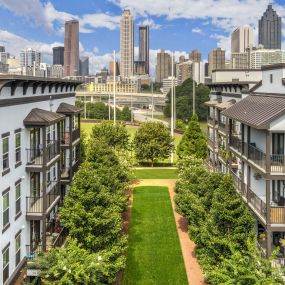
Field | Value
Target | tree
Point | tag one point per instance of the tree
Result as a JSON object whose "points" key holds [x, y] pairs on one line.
{"points": [[184, 101], [193, 141], [75, 265], [91, 212], [152, 141], [116, 136]]}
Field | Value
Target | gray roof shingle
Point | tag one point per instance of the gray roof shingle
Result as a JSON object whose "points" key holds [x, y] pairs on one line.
{"points": [[40, 117]]}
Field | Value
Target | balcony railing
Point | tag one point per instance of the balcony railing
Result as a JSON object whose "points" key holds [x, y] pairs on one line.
{"points": [[278, 163], [66, 173], [211, 142], [35, 156], [257, 203], [277, 215], [75, 134], [65, 137], [236, 143], [35, 204], [222, 126], [257, 156], [237, 182]]}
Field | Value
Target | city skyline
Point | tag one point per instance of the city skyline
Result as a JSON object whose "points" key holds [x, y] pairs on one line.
{"points": [[41, 26]]}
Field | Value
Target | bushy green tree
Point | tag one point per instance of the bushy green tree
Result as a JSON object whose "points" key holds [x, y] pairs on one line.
{"points": [[91, 211], [193, 141], [152, 142], [116, 136], [184, 101], [75, 265]]}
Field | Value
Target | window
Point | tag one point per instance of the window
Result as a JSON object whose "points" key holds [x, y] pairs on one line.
{"points": [[18, 248], [54, 173], [5, 257], [18, 198], [48, 135], [271, 78], [5, 209], [48, 178], [5, 153], [18, 147]]}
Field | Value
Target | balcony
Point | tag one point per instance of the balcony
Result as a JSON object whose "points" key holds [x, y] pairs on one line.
{"points": [[75, 134], [277, 215], [211, 143], [236, 143], [257, 203], [256, 155], [67, 137], [222, 126], [67, 174], [211, 120], [35, 207], [37, 156]]}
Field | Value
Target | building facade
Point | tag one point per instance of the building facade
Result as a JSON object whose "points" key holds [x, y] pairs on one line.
{"points": [[84, 66], [163, 66], [195, 56], [167, 84], [240, 60], [241, 39], [127, 45], [216, 60], [58, 55], [71, 48], [39, 155], [270, 29], [30, 57], [246, 127], [144, 47], [127, 86], [261, 57]]}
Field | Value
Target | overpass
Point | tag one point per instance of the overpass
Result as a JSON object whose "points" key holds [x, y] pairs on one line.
{"points": [[138, 100]]}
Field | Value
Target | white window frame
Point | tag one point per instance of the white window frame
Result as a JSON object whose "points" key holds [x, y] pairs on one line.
{"points": [[5, 266], [7, 209], [18, 199], [18, 244], [5, 155], [18, 148]]}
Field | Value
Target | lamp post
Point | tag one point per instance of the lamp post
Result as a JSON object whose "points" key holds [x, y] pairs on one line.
{"points": [[114, 86], [172, 105]]}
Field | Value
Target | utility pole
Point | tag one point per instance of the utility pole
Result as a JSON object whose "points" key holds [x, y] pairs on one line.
{"points": [[114, 87], [194, 103], [172, 105], [132, 119], [152, 106], [85, 107], [109, 101]]}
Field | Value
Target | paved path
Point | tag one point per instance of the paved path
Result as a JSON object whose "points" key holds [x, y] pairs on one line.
{"points": [[193, 270]]}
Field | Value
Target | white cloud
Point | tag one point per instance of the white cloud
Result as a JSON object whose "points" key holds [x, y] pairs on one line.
{"points": [[197, 31], [46, 15], [151, 23]]}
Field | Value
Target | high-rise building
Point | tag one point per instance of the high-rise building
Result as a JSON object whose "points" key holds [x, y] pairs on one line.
{"points": [[111, 68], [2, 49], [269, 29], [241, 39], [58, 55], [261, 57], [29, 57], [183, 71], [195, 56], [84, 66], [71, 48], [144, 47], [163, 66], [127, 45], [240, 60], [216, 60]]}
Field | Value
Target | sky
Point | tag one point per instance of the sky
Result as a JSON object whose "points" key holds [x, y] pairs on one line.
{"points": [[176, 25]]}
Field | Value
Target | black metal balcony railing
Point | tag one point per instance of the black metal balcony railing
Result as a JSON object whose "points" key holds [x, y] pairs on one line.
{"points": [[236, 143], [222, 126], [35, 204], [257, 203], [257, 156], [66, 172], [75, 134], [65, 137], [35, 156]]}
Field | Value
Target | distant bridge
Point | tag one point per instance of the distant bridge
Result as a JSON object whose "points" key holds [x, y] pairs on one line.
{"points": [[137, 100]]}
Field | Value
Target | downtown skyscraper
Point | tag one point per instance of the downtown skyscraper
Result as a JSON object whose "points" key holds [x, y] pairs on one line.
{"points": [[144, 47], [71, 48], [269, 29], [127, 45]]}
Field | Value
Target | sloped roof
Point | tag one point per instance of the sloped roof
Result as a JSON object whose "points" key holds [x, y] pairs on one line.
{"points": [[257, 111], [65, 108], [39, 117], [226, 105]]}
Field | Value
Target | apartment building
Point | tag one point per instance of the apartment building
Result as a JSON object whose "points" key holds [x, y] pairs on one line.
{"points": [[246, 139], [39, 151]]}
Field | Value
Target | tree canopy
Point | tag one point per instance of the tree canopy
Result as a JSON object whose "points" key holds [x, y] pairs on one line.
{"points": [[193, 141], [184, 101], [152, 141]]}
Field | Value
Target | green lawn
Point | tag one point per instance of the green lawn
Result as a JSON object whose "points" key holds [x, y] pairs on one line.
{"points": [[156, 173], [154, 256]]}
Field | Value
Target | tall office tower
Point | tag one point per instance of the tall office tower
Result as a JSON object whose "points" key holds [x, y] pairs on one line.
{"points": [[58, 55], [216, 60], [111, 68], [29, 57], [182, 59], [240, 60], [163, 66], [195, 56], [71, 48], [144, 47], [84, 66], [2, 49], [127, 45], [241, 39], [269, 29]]}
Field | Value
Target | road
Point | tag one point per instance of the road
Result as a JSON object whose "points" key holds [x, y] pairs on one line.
{"points": [[145, 116]]}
